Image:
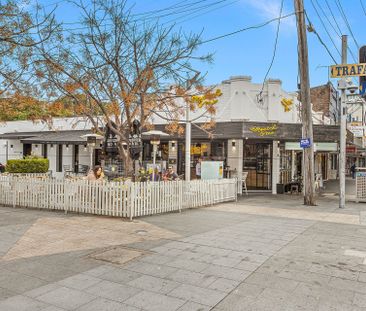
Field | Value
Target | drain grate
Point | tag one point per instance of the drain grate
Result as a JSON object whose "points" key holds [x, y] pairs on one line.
{"points": [[141, 232], [117, 255]]}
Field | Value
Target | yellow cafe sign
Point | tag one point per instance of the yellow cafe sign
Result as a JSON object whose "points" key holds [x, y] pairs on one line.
{"points": [[348, 70], [264, 130]]}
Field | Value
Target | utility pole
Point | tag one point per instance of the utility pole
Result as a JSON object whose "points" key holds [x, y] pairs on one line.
{"points": [[306, 112], [187, 172], [343, 133]]}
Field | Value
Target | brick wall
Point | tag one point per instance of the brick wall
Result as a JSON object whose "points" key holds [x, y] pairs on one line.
{"points": [[320, 98]]}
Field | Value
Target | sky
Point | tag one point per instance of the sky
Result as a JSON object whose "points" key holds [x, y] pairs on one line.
{"points": [[250, 52]]}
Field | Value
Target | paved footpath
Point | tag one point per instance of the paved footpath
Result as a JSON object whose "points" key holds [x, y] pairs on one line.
{"points": [[261, 253]]}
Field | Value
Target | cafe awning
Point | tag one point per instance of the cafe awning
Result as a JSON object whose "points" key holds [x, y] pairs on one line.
{"points": [[58, 137]]}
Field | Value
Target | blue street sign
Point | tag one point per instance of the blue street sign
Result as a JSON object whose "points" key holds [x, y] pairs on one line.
{"points": [[305, 143], [363, 88]]}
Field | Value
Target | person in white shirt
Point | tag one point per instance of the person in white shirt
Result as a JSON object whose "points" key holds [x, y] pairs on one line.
{"points": [[198, 168]]}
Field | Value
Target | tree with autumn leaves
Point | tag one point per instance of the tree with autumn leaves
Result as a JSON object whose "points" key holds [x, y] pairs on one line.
{"points": [[22, 28], [119, 69]]}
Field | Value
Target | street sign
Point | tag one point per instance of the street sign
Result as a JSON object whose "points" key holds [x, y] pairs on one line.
{"points": [[351, 149], [357, 130], [305, 143], [353, 99], [363, 88], [348, 70]]}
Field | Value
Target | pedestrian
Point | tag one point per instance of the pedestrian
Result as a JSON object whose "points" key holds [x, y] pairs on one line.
{"points": [[2, 168], [171, 174], [198, 168], [353, 170], [156, 176], [96, 174]]}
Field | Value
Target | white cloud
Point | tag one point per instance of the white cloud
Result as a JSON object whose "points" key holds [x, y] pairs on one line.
{"points": [[270, 9]]}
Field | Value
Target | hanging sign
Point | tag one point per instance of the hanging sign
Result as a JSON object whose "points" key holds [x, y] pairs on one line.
{"points": [[348, 70]]}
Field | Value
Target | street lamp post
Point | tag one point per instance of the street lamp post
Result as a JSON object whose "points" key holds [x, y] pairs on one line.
{"points": [[6, 152], [155, 141], [91, 141], [343, 85]]}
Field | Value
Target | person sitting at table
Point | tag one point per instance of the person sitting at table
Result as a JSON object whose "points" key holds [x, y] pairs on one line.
{"points": [[171, 174], [156, 176], [96, 174]]}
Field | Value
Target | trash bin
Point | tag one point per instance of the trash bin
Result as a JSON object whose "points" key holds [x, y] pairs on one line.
{"points": [[280, 188]]}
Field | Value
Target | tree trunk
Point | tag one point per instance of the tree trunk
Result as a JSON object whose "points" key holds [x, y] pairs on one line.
{"points": [[128, 172]]}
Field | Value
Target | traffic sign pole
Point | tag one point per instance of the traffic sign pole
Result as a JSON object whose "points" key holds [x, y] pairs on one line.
{"points": [[343, 133]]}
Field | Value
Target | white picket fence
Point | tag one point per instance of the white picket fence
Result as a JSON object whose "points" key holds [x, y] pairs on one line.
{"points": [[114, 199]]}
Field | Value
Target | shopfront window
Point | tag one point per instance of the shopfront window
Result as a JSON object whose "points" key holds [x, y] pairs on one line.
{"points": [[361, 162], [333, 162], [207, 151], [285, 165]]}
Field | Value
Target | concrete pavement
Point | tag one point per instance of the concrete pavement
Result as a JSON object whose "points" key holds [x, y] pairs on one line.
{"points": [[262, 253]]}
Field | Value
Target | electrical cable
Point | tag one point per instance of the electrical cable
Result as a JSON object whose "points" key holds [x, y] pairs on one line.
{"points": [[248, 28], [339, 33], [327, 18], [198, 15], [149, 15], [319, 38], [363, 7], [340, 8], [325, 28], [259, 97], [333, 16]]}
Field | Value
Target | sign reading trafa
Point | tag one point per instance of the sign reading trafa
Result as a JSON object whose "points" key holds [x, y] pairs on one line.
{"points": [[305, 143], [348, 70]]}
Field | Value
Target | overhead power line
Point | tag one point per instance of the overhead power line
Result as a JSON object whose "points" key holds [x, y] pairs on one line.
{"points": [[363, 7], [333, 16], [249, 28], [327, 18], [172, 10], [325, 28], [200, 14], [312, 29], [339, 32], [344, 16], [274, 53]]}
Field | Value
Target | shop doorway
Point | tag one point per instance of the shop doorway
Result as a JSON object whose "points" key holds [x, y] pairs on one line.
{"points": [[257, 161], [27, 150]]}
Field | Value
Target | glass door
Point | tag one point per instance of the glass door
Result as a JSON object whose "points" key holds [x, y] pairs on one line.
{"points": [[257, 161]]}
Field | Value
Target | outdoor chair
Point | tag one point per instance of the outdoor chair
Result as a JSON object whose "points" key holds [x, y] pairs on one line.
{"points": [[67, 170], [318, 182], [244, 182], [83, 169], [294, 188]]}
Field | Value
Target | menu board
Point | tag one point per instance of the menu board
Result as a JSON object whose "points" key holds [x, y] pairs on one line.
{"points": [[212, 170]]}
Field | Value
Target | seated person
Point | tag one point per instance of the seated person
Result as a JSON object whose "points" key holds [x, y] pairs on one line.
{"points": [[171, 174]]}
